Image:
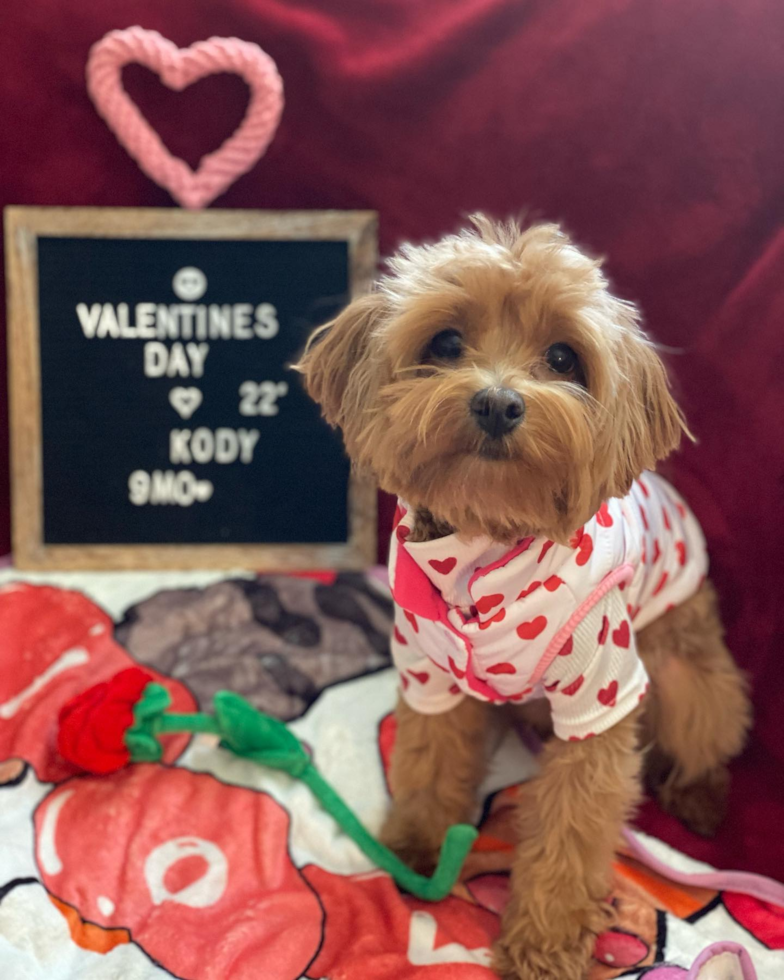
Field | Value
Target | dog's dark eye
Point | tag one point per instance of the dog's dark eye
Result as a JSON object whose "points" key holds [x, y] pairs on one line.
{"points": [[445, 346], [562, 359]]}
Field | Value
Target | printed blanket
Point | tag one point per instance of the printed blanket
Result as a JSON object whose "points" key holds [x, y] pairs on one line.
{"points": [[207, 866]]}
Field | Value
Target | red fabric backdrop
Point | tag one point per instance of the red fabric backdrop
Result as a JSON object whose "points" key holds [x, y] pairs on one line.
{"points": [[655, 130]]}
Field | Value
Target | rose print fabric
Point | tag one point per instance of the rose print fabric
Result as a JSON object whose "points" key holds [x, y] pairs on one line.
{"points": [[207, 866]]}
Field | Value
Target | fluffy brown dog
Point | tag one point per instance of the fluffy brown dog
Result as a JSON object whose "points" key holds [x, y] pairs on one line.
{"points": [[496, 386]]}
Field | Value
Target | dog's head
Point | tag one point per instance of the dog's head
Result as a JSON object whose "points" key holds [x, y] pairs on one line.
{"points": [[494, 380]]}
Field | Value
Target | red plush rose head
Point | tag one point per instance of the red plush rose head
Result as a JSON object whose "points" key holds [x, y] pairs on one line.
{"points": [[93, 724]]}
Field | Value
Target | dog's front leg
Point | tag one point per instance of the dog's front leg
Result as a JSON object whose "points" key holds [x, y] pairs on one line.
{"points": [[437, 765], [570, 822]]}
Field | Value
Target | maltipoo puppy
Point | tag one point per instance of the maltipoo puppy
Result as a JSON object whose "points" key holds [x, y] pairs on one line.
{"points": [[515, 407]]}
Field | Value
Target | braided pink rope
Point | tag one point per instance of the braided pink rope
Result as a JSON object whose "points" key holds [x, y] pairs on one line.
{"points": [[178, 68]]}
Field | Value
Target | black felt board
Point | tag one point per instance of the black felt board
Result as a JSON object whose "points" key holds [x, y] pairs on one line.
{"points": [[104, 419]]}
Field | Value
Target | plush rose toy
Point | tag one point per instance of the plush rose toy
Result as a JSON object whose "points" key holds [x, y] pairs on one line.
{"points": [[120, 721]]}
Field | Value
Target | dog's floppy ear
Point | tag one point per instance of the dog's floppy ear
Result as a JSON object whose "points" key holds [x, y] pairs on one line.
{"points": [[338, 364], [647, 422]]}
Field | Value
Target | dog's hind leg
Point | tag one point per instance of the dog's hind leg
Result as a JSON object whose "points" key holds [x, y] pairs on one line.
{"points": [[697, 714]]}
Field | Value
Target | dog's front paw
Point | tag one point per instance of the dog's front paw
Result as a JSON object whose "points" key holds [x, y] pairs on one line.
{"points": [[522, 953], [524, 962]]}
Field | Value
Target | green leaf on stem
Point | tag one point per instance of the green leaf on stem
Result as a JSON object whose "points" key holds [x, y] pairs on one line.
{"points": [[140, 738], [257, 736]]}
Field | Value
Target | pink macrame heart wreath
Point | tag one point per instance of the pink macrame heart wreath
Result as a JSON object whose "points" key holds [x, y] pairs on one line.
{"points": [[177, 68]]}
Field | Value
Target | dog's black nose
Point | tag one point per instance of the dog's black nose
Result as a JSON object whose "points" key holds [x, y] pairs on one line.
{"points": [[497, 410]]}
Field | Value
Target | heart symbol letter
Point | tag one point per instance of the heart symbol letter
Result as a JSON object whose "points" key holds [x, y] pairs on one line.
{"points": [[202, 491], [185, 401], [178, 68]]}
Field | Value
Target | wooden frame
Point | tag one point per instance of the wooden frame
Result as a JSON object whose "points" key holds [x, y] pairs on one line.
{"points": [[23, 226]]}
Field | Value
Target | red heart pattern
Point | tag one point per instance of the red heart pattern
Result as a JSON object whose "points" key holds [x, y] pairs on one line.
{"points": [[486, 603], [531, 588], [402, 532], [493, 619], [622, 636], [571, 689], [532, 629], [681, 509], [545, 548], [608, 695], [412, 619], [584, 549], [567, 648], [404, 681], [583, 544], [662, 582], [443, 567], [603, 516], [582, 738]]}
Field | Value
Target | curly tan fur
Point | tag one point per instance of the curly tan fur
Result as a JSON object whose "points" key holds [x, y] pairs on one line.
{"points": [[698, 714], [430, 793], [511, 293], [569, 827]]}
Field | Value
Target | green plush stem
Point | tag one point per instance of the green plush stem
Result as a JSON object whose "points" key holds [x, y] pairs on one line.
{"points": [[253, 735], [457, 843], [169, 723]]}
